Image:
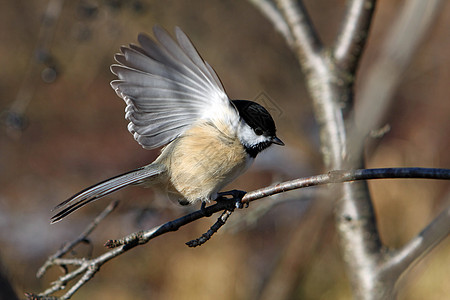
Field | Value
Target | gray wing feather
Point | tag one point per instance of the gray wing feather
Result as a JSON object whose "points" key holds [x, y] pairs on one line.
{"points": [[190, 50], [167, 87]]}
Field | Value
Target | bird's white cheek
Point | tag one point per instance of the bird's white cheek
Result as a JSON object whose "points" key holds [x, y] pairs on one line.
{"points": [[248, 137]]}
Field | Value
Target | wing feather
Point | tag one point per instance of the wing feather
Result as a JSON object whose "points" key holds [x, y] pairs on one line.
{"points": [[167, 87]]}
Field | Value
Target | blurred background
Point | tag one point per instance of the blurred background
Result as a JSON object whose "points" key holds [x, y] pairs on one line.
{"points": [[63, 129]]}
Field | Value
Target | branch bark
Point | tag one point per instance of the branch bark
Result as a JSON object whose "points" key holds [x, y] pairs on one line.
{"points": [[307, 44], [353, 34], [89, 267]]}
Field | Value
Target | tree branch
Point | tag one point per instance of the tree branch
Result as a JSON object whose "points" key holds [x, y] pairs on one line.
{"points": [[206, 236], [88, 267], [339, 176], [321, 78], [307, 44], [353, 34]]}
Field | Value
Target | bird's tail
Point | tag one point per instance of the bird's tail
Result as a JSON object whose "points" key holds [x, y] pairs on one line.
{"points": [[104, 188]]}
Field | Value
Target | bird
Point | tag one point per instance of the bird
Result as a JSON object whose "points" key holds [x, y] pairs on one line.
{"points": [[175, 99]]}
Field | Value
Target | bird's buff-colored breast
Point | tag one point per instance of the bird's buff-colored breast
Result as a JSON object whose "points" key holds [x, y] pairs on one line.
{"points": [[202, 161]]}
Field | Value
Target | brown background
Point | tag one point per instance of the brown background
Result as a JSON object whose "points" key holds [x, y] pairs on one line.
{"points": [[76, 135]]}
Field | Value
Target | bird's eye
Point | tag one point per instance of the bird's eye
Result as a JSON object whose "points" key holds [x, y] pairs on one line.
{"points": [[258, 131]]}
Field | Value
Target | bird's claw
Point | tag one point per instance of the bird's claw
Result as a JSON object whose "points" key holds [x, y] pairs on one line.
{"points": [[204, 210], [237, 196]]}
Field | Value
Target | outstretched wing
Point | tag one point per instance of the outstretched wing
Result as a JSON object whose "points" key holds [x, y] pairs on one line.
{"points": [[167, 87]]}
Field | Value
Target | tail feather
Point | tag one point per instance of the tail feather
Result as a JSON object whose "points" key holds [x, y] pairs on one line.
{"points": [[104, 188]]}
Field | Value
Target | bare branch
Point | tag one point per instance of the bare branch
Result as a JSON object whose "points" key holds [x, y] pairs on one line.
{"points": [[88, 267], [82, 237], [206, 236], [321, 77], [353, 34], [339, 176], [307, 44]]}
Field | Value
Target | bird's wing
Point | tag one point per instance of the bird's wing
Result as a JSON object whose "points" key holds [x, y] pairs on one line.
{"points": [[167, 87]]}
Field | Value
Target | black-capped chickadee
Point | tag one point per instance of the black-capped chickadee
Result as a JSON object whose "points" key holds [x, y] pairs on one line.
{"points": [[175, 98]]}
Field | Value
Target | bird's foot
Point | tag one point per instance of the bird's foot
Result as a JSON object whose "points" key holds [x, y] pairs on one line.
{"points": [[237, 195], [204, 210]]}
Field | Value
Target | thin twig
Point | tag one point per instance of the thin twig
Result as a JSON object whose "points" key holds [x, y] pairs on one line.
{"points": [[347, 176], [216, 226], [81, 238]]}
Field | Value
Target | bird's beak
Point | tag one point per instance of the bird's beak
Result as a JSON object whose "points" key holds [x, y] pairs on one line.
{"points": [[276, 140]]}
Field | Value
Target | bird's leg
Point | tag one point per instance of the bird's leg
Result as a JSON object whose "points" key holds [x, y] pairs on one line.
{"points": [[236, 195], [203, 209]]}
